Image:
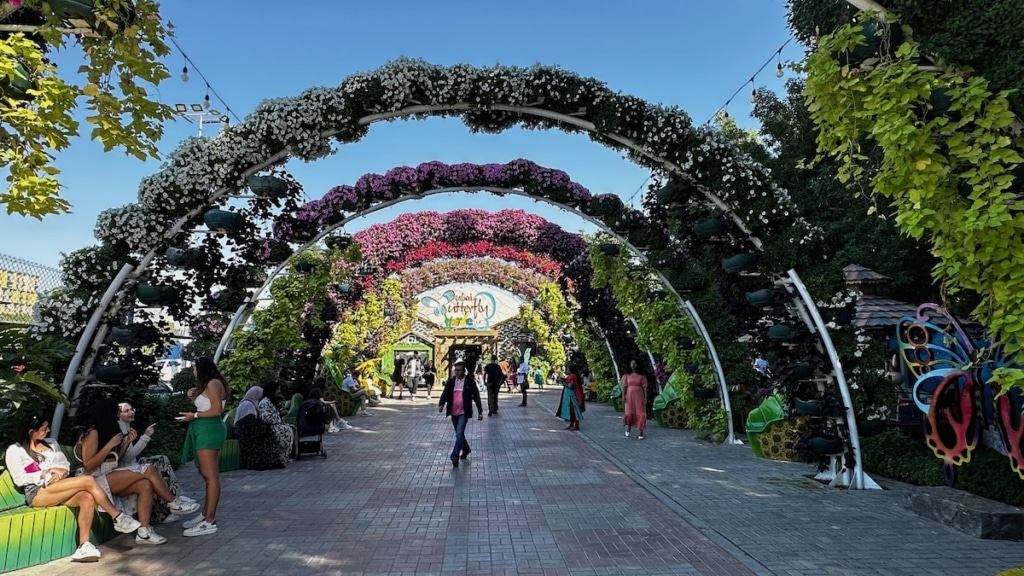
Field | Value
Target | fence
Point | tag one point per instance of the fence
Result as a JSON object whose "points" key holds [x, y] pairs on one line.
{"points": [[22, 283]]}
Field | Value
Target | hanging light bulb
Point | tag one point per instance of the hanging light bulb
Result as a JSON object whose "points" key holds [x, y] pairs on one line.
{"points": [[778, 71], [184, 74], [206, 102]]}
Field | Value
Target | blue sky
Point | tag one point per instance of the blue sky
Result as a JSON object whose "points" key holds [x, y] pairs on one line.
{"points": [[676, 52]]}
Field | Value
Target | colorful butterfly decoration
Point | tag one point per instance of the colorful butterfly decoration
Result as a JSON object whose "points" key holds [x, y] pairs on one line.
{"points": [[951, 388]]}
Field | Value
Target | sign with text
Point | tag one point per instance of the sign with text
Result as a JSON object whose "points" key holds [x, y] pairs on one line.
{"points": [[18, 294], [467, 306]]}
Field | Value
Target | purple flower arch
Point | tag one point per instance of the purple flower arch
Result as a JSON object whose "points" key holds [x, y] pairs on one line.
{"points": [[505, 275]]}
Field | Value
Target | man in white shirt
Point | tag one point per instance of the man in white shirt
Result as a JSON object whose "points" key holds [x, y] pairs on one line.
{"points": [[414, 372], [350, 385]]}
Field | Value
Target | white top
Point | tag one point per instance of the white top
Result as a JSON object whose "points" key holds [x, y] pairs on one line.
{"points": [[412, 368], [136, 448], [203, 404], [25, 470], [349, 384]]}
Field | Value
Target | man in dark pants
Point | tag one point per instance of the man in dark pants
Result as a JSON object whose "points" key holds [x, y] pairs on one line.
{"points": [[493, 378], [459, 394]]}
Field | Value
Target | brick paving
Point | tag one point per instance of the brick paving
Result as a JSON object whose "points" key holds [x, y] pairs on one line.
{"points": [[536, 499]]}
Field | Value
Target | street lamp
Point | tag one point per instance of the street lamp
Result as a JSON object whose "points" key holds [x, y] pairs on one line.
{"points": [[194, 112]]}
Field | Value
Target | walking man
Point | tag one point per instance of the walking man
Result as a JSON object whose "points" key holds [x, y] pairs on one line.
{"points": [[457, 398], [493, 377], [414, 372]]}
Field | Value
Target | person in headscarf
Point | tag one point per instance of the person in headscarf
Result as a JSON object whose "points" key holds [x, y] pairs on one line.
{"points": [[255, 437], [100, 450], [572, 405], [284, 433], [137, 443]]}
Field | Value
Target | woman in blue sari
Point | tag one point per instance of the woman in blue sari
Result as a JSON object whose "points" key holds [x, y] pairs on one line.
{"points": [[572, 406]]}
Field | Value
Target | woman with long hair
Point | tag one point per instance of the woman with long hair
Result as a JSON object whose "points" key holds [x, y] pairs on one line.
{"points": [[41, 472], [572, 405], [101, 449], [634, 395], [204, 439]]}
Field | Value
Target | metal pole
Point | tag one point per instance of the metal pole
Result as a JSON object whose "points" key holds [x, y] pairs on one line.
{"points": [[719, 373], [83, 345], [226, 337], [648, 350], [859, 480]]}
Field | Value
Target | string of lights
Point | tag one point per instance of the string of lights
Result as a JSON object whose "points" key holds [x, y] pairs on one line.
{"points": [[779, 72], [209, 88]]}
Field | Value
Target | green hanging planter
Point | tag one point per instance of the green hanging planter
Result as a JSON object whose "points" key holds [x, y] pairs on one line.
{"points": [[709, 228], [153, 295], [122, 336], [939, 102], [182, 256], [305, 266], [344, 287], [114, 374], [807, 407], [609, 249], [267, 186], [761, 298], [820, 445], [79, 9], [223, 221], [802, 370], [740, 263], [878, 40], [18, 86], [671, 193], [780, 333], [704, 393], [868, 428], [686, 343], [693, 368]]}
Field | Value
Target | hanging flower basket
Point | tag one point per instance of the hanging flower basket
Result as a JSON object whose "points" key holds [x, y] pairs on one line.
{"points": [[279, 251], [803, 370], [152, 295], [807, 407], [338, 242], [19, 86], [609, 249], [822, 445], [740, 263], [686, 343], [223, 221], [709, 228], [305, 266], [704, 393], [115, 374], [674, 192], [780, 333], [182, 257], [267, 186], [878, 40], [761, 298]]}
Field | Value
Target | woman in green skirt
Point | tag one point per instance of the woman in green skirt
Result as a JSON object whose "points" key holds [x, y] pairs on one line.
{"points": [[205, 437]]}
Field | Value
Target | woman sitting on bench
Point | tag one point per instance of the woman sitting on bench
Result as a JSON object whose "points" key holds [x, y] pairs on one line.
{"points": [[41, 472]]}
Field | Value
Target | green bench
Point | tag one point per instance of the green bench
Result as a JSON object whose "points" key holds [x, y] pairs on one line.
{"points": [[31, 536]]}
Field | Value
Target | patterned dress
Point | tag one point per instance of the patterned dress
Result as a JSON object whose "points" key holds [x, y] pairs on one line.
{"points": [[284, 434]]}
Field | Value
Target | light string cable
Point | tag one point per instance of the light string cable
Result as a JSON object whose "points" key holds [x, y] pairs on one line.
{"points": [[209, 88], [776, 56]]}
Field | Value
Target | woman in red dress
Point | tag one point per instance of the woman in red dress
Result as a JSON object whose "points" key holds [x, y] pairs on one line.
{"points": [[634, 394]]}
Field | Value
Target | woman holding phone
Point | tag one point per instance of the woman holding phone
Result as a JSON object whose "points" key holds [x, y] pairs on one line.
{"points": [[206, 435]]}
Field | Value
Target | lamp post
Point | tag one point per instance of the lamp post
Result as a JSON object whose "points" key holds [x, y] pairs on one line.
{"points": [[200, 114]]}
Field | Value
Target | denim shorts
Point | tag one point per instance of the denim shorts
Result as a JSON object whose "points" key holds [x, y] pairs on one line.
{"points": [[30, 493]]}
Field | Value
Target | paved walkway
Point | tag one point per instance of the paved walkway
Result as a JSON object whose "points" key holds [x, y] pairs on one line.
{"points": [[536, 499]]}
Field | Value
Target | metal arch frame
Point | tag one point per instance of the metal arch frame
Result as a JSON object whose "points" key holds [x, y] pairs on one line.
{"points": [[611, 353], [97, 335]]}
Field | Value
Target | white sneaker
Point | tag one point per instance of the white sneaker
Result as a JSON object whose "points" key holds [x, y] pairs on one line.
{"points": [[184, 498], [201, 529], [364, 413], [194, 521], [125, 524], [171, 518], [333, 430], [348, 426], [86, 553], [148, 536], [627, 433], [179, 506]]}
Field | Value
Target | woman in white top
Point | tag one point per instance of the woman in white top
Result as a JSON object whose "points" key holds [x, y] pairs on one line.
{"points": [[41, 471], [206, 435]]}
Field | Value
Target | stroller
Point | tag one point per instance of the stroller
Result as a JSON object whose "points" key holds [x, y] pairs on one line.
{"points": [[311, 425]]}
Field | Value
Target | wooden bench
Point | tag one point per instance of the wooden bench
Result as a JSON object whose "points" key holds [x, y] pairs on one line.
{"points": [[31, 536]]}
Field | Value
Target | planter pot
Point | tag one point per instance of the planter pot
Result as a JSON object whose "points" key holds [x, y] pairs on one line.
{"points": [[939, 102], [802, 370], [820, 445], [122, 336], [740, 263], [1017, 185], [18, 87], [80, 9], [366, 270], [305, 266], [181, 256], [114, 374], [686, 343], [267, 186], [344, 287], [656, 295], [223, 221], [693, 368], [868, 428], [609, 249], [709, 228], [389, 312], [151, 295], [338, 242], [780, 333], [761, 298], [807, 407], [704, 393], [671, 193], [875, 43]]}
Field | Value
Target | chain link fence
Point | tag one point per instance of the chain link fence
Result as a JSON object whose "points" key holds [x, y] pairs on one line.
{"points": [[22, 283]]}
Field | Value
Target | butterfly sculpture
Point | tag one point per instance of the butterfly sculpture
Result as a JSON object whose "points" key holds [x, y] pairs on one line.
{"points": [[950, 381]]}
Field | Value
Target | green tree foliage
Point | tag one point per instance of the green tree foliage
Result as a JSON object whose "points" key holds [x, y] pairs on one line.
{"points": [[27, 368], [121, 48]]}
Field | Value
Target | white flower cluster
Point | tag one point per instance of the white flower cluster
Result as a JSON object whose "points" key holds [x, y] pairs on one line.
{"points": [[63, 313], [88, 268], [133, 225]]}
